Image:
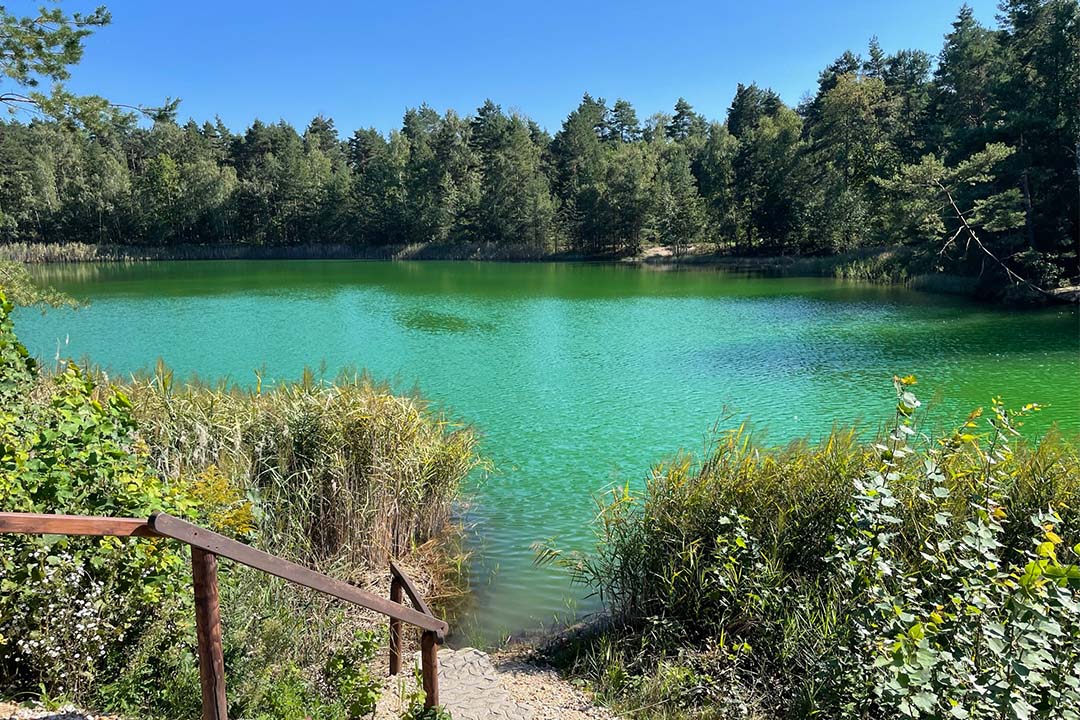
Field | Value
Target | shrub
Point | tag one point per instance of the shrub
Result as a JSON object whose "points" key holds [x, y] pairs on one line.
{"points": [[21, 289], [977, 625], [842, 579], [66, 603]]}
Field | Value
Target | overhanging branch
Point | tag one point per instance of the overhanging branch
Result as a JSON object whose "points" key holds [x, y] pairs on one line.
{"points": [[973, 238]]}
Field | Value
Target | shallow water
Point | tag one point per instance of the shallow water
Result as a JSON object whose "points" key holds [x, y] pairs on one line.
{"points": [[578, 375]]}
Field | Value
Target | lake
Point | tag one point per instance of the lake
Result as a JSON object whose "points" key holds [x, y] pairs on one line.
{"points": [[577, 375]]}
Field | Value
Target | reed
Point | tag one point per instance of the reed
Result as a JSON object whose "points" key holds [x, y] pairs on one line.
{"points": [[77, 252], [346, 473]]}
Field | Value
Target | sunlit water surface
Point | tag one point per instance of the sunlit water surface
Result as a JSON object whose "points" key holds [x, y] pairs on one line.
{"points": [[578, 376]]}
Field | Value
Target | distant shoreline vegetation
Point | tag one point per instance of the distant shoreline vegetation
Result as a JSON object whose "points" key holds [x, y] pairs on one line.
{"points": [[887, 266], [966, 164]]}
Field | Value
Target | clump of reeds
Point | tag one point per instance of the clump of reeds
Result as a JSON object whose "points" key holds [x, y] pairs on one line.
{"points": [[77, 252], [24, 252], [887, 268], [344, 472]]}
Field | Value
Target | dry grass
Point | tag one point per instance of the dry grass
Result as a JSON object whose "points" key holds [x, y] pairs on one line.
{"points": [[343, 474], [76, 252]]}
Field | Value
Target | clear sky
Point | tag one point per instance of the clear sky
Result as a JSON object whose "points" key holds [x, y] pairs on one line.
{"points": [[364, 63]]}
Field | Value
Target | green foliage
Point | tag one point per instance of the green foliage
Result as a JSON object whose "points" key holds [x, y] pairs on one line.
{"points": [[43, 47], [347, 672], [923, 191], [21, 289], [289, 654], [414, 703], [67, 447], [46, 45], [923, 576], [18, 367], [976, 625], [417, 711]]}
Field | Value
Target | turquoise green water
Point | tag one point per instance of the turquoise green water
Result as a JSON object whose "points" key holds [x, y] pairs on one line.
{"points": [[578, 376]]}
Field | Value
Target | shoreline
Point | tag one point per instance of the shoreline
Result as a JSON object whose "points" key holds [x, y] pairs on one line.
{"points": [[60, 253], [879, 265]]}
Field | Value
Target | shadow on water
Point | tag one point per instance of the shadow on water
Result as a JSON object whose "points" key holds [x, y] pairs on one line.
{"points": [[440, 322]]}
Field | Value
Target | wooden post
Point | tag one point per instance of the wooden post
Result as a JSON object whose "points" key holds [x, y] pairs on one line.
{"points": [[208, 630], [429, 667], [395, 627]]}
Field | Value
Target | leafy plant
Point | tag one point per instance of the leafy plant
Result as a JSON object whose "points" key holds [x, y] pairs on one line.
{"points": [[21, 289], [971, 627], [347, 672], [414, 703], [74, 450]]}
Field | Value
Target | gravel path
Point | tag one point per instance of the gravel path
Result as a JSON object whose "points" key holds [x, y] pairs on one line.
{"points": [[542, 689], [510, 686]]}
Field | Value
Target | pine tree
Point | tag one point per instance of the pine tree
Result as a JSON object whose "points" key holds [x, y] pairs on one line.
{"points": [[963, 85], [874, 65], [907, 79], [750, 104], [682, 122], [624, 122]]}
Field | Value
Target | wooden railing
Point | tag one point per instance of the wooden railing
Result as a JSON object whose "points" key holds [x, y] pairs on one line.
{"points": [[206, 547]]}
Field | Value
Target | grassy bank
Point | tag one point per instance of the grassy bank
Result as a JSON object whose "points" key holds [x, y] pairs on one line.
{"points": [[890, 266], [909, 576], [338, 476], [75, 252]]}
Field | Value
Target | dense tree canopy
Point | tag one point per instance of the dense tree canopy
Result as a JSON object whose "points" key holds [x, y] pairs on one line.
{"points": [[859, 163]]}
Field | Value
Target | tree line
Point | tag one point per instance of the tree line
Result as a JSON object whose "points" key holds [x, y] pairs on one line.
{"points": [[970, 161]]}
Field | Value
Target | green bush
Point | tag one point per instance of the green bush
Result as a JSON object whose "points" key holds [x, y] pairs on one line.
{"points": [[909, 575], [66, 603]]}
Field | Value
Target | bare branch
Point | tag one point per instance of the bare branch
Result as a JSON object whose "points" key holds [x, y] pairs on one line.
{"points": [[973, 238]]}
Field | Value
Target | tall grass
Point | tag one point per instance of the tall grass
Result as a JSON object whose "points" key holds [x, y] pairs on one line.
{"points": [[344, 473], [340, 475], [76, 252], [738, 585]]}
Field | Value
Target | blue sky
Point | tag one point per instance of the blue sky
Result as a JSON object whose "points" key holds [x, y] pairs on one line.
{"points": [[364, 63]]}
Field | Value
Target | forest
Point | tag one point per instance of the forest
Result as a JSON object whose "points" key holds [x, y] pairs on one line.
{"points": [[967, 161]]}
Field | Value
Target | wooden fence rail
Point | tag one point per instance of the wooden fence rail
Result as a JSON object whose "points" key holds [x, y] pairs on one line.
{"points": [[206, 547]]}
